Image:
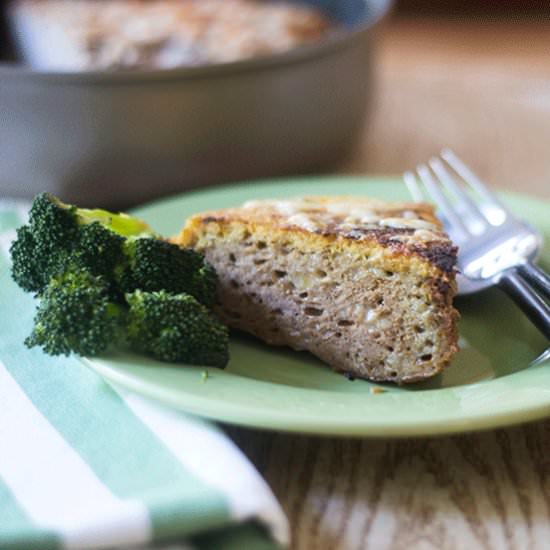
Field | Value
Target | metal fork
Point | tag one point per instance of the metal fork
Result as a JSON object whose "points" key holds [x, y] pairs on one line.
{"points": [[495, 247]]}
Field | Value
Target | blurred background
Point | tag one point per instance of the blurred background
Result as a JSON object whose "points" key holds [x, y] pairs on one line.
{"points": [[471, 75]]}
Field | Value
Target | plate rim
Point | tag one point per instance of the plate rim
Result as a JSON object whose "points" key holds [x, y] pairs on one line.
{"points": [[247, 417], [241, 415]]}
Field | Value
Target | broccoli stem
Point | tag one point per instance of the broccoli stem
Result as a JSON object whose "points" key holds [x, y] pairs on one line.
{"points": [[120, 223]]}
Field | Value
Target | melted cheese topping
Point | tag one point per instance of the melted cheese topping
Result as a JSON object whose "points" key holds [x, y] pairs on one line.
{"points": [[352, 217]]}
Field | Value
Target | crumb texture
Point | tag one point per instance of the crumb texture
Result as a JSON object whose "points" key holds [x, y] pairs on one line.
{"points": [[371, 307]]}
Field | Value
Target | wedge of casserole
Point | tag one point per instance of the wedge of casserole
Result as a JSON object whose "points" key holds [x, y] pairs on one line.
{"points": [[364, 285]]}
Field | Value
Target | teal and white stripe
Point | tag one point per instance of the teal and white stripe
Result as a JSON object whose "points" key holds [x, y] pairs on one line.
{"points": [[83, 510], [85, 465]]}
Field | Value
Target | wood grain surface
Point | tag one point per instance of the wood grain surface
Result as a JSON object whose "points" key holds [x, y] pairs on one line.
{"points": [[484, 90], [489, 490]]}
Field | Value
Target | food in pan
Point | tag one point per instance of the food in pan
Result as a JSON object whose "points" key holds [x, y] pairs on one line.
{"points": [[79, 35]]}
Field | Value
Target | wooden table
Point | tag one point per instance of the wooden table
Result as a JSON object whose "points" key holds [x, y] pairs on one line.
{"points": [[484, 90], [481, 88]]}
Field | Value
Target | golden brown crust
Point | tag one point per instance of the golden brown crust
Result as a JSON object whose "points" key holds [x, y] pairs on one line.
{"points": [[421, 257], [432, 246]]}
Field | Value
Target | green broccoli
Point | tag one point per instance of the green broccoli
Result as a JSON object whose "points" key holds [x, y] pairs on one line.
{"points": [[76, 315], [122, 249], [159, 265], [59, 234], [32, 266], [176, 327], [106, 279]]}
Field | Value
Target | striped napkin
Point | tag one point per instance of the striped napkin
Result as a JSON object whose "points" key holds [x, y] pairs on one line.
{"points": [[87, 465]]}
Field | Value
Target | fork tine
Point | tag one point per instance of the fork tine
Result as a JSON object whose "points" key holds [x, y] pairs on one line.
{"points": [[474, 214], [471, 179], [413, 187], [459, 229]]}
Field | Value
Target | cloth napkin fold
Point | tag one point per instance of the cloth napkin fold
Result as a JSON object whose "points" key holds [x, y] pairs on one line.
{"points": [[87, 465]]}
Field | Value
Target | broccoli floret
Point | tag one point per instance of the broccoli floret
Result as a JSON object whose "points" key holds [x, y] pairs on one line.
{"points": [[59, 234], [32, 265], [76, 315], [52, 220], [105, 278], [176, 327], [159, 265], [41, 248], [120, 248], [100, 251]]}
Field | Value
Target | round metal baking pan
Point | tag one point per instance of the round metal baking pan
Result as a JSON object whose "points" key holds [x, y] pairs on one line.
{"points": [[120, 138]]}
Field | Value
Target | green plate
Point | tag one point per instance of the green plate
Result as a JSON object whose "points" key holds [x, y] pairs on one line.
{"points": [[495, 379]]}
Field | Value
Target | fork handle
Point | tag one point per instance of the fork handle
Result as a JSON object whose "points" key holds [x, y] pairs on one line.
{"points": [[527, 299], [537, 277]]}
